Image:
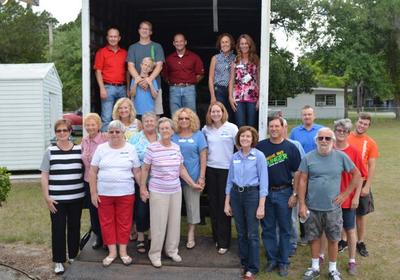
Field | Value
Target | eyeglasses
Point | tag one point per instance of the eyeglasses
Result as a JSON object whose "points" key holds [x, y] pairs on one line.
{"points": [[326, 138], [61, 130], [183, 119], [114, 132], [341, 131]]}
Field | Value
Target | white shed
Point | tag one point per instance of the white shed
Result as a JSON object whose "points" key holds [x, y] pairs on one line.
{"points": [[328, 103], [30, 103]]}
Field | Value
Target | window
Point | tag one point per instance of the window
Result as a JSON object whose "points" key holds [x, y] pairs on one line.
{"points": [[277, 103], [322, 100]]}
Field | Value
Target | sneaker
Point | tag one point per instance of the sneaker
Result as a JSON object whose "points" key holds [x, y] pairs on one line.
{"points": [[303, 241], [311, 274], [352, 269], [58, 268], [362, 249], [342, 245], [334, 275], [283, 270], [321, 260], [176, 258], [222, 251], [70, 261], [156, 263]]}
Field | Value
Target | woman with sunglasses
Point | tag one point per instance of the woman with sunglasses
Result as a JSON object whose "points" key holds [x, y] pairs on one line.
{"points": [[63, 191], [114, 168], [193, 147]]}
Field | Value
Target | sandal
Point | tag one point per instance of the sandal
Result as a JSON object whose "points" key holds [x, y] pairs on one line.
{"points": [[126, 260], [107, 261], [140, 247], [190, 244]]}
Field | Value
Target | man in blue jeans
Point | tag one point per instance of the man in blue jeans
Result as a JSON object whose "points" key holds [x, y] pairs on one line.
{"points": [[283, 160], [111, 74], [183, 70]]}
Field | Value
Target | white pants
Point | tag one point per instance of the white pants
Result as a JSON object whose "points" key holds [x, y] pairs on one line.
{"points": [[165, 223]]}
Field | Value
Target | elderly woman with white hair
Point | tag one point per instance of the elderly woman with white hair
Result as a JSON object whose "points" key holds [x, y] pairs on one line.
{"points": [[114, 168], [164, 161]]}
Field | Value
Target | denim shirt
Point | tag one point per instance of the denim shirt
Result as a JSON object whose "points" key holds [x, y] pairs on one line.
{"points": [[248, 170]]}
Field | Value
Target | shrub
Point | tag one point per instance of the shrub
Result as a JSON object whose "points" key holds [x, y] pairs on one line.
{"points": [[5, 184]]}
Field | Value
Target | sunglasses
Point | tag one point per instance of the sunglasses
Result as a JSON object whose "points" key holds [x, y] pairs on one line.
{"points": [[326, 138], [183, 119], [61, 130], [114, 132]]}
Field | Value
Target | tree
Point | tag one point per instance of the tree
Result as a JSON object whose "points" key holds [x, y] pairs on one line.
{"points": [[67, 56], [23, 34]]}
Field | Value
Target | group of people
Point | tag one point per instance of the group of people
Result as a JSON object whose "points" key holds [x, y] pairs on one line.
{"points": [[133, 168], [136, 74]]}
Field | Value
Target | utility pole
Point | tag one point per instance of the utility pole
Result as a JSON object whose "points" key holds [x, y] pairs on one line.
{"points": [[50, 25]]}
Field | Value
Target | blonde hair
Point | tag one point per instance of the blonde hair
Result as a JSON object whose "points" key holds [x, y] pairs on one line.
{"points": [[132, 111], [223, 109], [152, 63], [93, 116], [193, 118]]}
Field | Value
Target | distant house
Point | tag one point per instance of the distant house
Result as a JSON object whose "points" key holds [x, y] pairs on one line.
{"points": [[30, 103], [328, 103]]}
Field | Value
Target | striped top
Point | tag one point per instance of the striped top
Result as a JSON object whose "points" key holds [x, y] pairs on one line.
{"points": [[223, 68], [165, 165], [65, 173]]}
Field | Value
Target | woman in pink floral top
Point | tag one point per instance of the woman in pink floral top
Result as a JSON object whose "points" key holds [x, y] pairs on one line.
{"points": [[244, 82]]}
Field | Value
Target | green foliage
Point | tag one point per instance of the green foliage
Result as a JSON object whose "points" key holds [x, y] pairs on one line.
{"points": [[288, 79], [5, 184], [23, 33], [67, 56]]}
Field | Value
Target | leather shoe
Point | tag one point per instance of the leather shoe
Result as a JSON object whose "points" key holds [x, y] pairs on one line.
{"points": [[270, 267], [97, 243]]}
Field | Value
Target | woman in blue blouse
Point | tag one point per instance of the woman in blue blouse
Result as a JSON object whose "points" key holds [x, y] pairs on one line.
{"points": [[141, 140], [193, 147], [220, 71], [246, 189]]}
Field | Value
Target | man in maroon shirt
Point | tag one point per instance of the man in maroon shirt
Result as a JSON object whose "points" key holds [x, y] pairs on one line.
{"points": [[183, 70], [111, 74]]}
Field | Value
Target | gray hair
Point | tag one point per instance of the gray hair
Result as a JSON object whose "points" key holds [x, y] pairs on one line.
{"points": [[148, 115], [117, 124], [327, 129], [163, 120], [345, 123]]}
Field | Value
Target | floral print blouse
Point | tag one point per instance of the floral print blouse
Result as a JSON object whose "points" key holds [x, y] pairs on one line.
{"points": [[246, 87]]}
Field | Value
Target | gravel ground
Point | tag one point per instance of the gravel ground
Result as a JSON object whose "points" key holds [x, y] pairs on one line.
{"points": [[34, 260]]}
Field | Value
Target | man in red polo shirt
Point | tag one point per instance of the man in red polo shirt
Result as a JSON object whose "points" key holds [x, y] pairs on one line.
{"points": [[111, 75], [183, 70]]}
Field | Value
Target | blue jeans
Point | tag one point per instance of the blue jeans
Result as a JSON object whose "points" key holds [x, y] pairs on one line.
{"points": [[295, 228], [246, 114], [277, 212], [244, 206], [180, 97], [113, 94], [141, 212], [222, 95]]}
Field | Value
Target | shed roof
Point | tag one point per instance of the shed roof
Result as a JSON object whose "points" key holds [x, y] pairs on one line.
{"points": [[27, 71]]}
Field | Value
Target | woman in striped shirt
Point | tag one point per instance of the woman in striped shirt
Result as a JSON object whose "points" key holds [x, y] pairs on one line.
{"points": [[166, 162], [63, 191]]}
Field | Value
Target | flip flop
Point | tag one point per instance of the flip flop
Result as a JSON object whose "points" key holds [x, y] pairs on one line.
{"points": [[190, 244], [126, 260], [140, 247], [107, 261]]}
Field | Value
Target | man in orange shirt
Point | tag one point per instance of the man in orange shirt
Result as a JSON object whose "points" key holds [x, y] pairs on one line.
{"points": [[369, 153], [111, 74]]}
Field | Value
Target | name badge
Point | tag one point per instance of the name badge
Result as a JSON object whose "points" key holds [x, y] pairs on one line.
{"points": [[237, 161], [251, 157], [182, 140], [240, 66], [190, 140]]}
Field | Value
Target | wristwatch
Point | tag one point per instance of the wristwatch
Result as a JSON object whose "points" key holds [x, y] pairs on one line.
{"points": [[294, 194]]}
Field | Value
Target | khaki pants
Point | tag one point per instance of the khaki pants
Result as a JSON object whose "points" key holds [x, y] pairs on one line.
{"points": [[165, 223]]}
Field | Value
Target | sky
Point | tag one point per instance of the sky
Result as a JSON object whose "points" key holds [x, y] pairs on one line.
{"points": [[67, 10]]}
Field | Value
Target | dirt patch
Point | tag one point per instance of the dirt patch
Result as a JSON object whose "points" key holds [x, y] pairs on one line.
{"points": [[35, 260]]}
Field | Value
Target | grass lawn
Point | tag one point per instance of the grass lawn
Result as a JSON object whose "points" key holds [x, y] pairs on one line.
{"points": [[25, 218]]}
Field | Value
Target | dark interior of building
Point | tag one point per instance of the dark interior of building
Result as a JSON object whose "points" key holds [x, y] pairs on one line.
{"points": [[194, 18]]}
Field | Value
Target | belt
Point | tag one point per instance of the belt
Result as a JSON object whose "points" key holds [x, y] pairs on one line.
{"points": [[278, 188], [115, 84], [245, 188], [182, 85]]}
